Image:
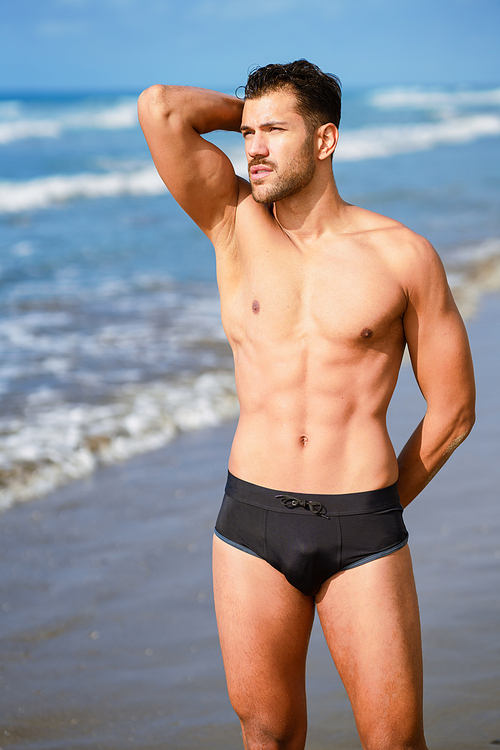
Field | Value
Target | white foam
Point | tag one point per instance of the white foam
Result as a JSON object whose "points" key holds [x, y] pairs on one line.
{"points": [[471, 254], [418, 98], [21, 129], [57, 443], [64, 349], [382, 142], [122, 115], [474, 270], [46, 191]]}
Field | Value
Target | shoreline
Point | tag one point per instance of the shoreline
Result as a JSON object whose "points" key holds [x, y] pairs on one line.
{"points": [[108, 635]]}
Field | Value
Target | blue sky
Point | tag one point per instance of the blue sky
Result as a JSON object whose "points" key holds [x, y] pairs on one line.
{"points": [[52, 45]]}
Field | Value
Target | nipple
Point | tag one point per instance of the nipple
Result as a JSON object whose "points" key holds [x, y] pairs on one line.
{"points": [[255, 307], [367, 333]]}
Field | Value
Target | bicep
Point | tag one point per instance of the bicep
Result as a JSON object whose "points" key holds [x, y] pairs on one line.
{"points": [[199, 175]]}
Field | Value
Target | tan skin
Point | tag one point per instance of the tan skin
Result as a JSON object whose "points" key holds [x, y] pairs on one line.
{"points": [[318, 300]]}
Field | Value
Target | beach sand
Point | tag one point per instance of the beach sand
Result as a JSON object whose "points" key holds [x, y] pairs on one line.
{"points": [[108, 637]]}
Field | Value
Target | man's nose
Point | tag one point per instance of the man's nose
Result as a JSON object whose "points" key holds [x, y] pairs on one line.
{"points": [[257, 145]]}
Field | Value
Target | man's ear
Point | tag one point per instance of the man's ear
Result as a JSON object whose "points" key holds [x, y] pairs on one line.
{"points": [[327, 137]]}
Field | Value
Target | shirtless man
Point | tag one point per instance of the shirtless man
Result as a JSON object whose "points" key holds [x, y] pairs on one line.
{"points": [[318, 300]]}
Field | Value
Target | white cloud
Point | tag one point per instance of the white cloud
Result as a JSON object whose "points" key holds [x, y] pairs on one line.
{"points": [[235, 9], [75, 3], [62, 28]]}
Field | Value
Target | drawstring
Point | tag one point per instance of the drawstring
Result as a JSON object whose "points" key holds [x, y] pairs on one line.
{"points": [[294, 502]]}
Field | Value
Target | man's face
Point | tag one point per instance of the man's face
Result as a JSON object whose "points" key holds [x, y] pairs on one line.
{"points": [[278, 145]]}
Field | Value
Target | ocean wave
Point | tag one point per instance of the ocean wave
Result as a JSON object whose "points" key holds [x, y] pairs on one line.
{"points": [[46, 191], [422, 99], [473, 271], [15, 131], [58, 443], [133, 178], [70, 348], [15, 127], [383, 142], [469, 256]]}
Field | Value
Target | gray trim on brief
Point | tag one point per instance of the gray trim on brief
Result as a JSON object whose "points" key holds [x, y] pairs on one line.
{"points": [[369, 558], [235, 544], [376, 555]]}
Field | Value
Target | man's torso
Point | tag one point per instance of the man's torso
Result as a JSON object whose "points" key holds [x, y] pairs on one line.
{"points": [[317, 334]]}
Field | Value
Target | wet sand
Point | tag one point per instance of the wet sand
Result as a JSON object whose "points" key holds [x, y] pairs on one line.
{"points": [[108, 637]]}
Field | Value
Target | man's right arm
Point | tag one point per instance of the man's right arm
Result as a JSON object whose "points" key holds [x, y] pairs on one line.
{"points": [[198, 174], [440, 355]]}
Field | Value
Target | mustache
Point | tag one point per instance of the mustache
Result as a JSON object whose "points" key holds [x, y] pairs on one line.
{"points": [[260, 161]]}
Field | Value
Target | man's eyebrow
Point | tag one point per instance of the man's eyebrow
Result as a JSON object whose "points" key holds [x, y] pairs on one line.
{"points": [[268, 124]]}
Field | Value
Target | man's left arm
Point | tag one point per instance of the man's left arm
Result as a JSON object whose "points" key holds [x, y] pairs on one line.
{"points": [[442, 363]]}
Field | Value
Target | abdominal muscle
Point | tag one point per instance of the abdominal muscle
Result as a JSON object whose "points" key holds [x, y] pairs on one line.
{"points": [[319, 429]]}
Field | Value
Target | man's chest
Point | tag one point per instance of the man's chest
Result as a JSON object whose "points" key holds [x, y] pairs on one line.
{"points": [[338, 297]]}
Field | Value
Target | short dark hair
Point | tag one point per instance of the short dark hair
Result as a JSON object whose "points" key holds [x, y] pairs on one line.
{"points": [[318, 94]]}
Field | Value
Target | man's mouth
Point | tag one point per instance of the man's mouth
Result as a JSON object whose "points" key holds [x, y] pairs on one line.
{"points": [[259, 171]]}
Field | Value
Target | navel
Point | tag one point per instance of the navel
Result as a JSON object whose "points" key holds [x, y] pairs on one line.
{"points": [[303, 439], [367, 333], [255, 307]]}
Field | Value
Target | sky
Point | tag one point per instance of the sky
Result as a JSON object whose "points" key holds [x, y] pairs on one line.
{"points": [[126, 45]]}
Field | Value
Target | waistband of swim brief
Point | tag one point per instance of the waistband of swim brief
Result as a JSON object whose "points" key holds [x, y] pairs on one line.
{"points": [[350, 503]]}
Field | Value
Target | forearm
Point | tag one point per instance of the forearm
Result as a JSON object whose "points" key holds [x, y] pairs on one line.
{"points": [[428, 449], [203, 109]]}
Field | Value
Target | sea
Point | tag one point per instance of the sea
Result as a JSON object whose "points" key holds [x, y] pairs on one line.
{"points": [[110, 333]]}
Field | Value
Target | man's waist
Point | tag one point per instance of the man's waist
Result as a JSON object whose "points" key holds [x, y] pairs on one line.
{"points": [[330, 504]]}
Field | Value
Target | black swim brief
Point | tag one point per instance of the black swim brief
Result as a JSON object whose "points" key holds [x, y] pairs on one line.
{"points": [[310, 537]]}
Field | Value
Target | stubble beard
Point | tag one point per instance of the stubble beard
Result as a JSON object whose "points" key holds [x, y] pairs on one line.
{"points": [[297, 176]]}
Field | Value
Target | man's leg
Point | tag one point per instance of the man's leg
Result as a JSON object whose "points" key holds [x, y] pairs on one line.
{"points": [[369, 616], [264, 627]]}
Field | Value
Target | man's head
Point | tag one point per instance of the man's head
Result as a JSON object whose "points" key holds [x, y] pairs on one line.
{"points": [[318, 94], [289, 123]]}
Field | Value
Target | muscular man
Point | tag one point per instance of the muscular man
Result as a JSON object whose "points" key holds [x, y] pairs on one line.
{"points": [[318, 300]]}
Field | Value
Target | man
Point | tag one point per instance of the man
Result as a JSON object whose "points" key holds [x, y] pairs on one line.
{"points": [[318, 300]]}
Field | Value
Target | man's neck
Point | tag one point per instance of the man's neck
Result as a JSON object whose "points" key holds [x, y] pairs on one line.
{"points": [[313, 212]]}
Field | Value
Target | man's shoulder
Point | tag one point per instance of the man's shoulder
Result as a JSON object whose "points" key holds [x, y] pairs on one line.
{"points": [[393, 236], [243, 222], [371, 222], [407, 256]]}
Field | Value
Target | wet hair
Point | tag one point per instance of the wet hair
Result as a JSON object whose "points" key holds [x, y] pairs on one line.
{"points": [[318, 94]]}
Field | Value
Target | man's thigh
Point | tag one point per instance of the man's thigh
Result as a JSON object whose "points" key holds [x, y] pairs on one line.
{"points": [[264, 627], [370, 619]]}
